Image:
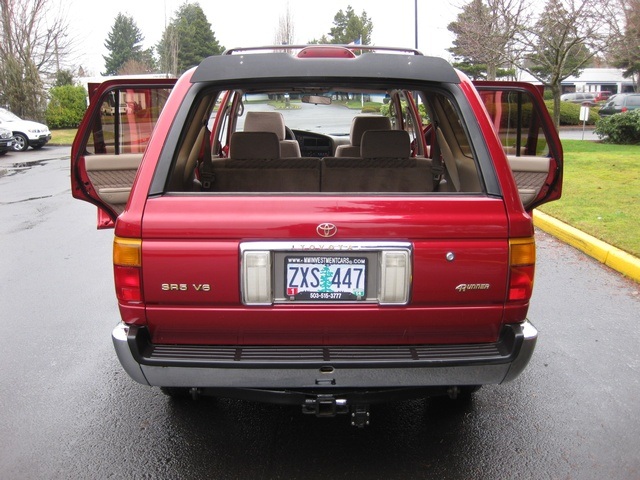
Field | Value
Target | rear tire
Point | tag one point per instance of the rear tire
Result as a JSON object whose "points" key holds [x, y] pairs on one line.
{"points": [[175, 392], [465, 394], [468, 390]]}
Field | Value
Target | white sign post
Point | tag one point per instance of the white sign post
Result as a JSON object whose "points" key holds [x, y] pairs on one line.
{"points": [[584, 116]]}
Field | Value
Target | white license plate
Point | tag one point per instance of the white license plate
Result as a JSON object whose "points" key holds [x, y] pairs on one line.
{"points": [[326, 278]]}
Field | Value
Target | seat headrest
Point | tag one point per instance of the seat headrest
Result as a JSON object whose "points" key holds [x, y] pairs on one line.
{"points": [[385, 144], [254, 145], [362, 123], [265, 122]]}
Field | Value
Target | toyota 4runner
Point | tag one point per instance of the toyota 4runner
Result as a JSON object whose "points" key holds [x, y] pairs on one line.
{"points": [[320, 226]]}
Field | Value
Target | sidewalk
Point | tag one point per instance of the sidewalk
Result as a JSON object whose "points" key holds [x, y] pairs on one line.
{"points": [[611, 256]]}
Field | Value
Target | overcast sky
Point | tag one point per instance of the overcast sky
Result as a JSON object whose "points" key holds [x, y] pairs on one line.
{"points": [[242, 23]]}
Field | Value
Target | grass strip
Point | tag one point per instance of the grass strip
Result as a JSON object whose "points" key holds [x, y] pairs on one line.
{"points": [[601, 192], [63, 136]]}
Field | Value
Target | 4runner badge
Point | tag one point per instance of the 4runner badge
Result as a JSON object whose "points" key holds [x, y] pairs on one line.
{"points": [[465, 287], [326, 230]]}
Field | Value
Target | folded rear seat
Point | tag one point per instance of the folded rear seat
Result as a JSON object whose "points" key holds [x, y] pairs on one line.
{"points": [[255, 166]]}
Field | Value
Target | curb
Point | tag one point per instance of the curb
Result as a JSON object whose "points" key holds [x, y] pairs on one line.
{"points": [[611, 256]]}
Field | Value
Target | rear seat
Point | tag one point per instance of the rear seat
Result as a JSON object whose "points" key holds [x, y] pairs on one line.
{"points": [[359, 125], [255, 165], [272, 122], [385, 165]]}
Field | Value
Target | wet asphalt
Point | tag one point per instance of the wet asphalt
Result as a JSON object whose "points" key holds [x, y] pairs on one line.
{"points": [[67, 410]]}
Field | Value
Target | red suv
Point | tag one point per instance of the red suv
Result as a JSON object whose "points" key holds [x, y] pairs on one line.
{"points": [[320, 226]]}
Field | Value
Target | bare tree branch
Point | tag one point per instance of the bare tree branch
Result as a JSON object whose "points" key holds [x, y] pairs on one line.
{"points": [[566, 37], [485, 31], [33, 42], [285, 32]]}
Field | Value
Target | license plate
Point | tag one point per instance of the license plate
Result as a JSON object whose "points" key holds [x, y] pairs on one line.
{"points": [[326, 278]]}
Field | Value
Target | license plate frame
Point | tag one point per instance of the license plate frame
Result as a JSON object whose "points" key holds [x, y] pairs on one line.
{"points": [[326, 278]]}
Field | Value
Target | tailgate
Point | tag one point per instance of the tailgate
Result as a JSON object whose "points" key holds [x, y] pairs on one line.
{"points": [[328, 264]]}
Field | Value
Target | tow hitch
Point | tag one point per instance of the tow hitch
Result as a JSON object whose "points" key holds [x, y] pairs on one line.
{"points": [[329, 406], [360, 416]]}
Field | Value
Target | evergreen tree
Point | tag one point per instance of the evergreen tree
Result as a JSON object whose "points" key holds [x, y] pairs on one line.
{"points": [[351, 28], [63, 77], [187, 40], [326, 278], [124, 43]]}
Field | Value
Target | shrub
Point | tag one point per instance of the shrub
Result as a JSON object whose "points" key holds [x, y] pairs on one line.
{"points": [[570, 113], [67, 105], [622, 128], [385, 110]]}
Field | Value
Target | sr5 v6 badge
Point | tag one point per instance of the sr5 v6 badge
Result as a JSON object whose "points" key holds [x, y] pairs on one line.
{"points": [[183, 287]]}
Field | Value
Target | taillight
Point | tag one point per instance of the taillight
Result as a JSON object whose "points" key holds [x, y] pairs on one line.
{"points": [[624, 109], [127, 260], [522, 260]]}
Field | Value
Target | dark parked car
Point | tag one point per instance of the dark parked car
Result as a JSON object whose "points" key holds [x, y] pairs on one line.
{"points": [[620, 103], [6, 140]]}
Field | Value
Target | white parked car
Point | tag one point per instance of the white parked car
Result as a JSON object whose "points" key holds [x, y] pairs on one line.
{"points": [[25, 132]]}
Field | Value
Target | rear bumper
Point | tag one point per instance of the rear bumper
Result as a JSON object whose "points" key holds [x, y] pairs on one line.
{"points": [[6, 144], [328, 367]]}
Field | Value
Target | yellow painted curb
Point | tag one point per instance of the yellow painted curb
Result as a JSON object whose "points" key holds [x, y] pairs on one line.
{"points": [[609, 255]]}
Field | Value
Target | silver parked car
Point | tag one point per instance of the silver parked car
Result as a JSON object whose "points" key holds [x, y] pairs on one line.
{"points": [[580, 98]]}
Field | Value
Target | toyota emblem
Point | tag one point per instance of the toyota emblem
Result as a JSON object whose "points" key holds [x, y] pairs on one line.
{"points": [[326, 230]]}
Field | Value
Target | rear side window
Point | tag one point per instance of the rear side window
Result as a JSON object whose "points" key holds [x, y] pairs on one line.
{"points": [[518, 125], [127, 117], [633, 101]]}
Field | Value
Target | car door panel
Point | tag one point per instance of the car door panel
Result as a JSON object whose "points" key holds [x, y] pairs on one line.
{"points": [[530, 173], [112, 177]]}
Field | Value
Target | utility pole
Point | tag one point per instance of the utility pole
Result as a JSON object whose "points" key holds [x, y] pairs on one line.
{"points": [[416, 17]]}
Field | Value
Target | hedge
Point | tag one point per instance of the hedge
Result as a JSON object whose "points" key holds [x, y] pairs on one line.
{"points": [[67, 105], [570, 113]]}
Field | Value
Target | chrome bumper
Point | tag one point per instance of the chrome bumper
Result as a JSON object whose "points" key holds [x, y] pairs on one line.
{"points": [[264, 367]]}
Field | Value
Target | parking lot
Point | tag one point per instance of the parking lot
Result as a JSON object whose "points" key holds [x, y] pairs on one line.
{"points": [[67, 410]]}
